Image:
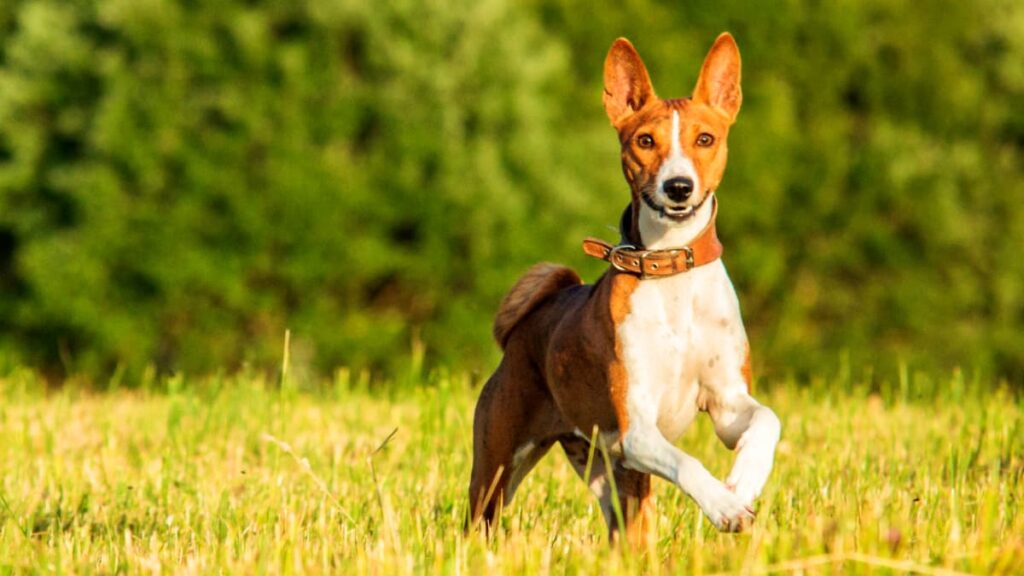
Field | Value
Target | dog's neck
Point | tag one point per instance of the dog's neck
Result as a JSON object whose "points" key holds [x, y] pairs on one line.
{"points": [[642, 227]]}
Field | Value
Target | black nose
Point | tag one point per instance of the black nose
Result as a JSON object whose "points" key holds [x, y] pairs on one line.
{"points": [[678, 189]]}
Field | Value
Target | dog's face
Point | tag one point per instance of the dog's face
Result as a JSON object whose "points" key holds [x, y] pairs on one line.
{"points": [[673, 151]]}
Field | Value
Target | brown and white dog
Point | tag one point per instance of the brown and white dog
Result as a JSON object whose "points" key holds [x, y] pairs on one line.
{"points": [[656, 340]]}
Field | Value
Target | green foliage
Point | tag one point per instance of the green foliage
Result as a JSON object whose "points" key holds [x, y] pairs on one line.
{"points": [[182, 181]]}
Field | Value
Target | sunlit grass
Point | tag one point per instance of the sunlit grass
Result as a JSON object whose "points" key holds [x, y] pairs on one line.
{"points": [[234, 475]]}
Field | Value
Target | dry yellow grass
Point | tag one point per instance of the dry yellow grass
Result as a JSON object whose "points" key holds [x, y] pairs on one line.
{"points": [[235, 476]]}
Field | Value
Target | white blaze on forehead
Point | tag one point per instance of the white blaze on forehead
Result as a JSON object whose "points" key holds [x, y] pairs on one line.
{"points": [[677, 148], [676, 164]]}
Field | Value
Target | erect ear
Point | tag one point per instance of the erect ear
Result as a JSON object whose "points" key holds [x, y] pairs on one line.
{"points": [[719, 82], [627, 87]]}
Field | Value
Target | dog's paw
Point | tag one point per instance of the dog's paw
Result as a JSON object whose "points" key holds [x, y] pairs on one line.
{"points": [[727, 511], [749, 475], [746, 491]]}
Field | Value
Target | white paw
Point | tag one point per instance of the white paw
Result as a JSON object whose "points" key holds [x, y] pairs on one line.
{"points": [[749, 475], [727, 511]]}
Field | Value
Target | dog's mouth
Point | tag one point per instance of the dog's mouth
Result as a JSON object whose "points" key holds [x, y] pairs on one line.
{"points": [[677, 214]]}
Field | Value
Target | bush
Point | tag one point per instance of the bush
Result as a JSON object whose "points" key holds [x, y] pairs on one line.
{"points": [[182, 181]]}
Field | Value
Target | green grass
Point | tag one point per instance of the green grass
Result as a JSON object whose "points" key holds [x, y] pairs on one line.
{"points": [[233, 475]]}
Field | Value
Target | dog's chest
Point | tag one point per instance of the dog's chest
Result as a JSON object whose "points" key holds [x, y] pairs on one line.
{"points": [[683, 338]]}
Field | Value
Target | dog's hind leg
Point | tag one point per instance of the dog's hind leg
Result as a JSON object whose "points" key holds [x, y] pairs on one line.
{"points": [[633, 489], [494, 446], [515, 424]]}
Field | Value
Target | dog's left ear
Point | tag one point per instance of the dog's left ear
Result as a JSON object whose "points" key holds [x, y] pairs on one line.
{"points": [[719, 82]]}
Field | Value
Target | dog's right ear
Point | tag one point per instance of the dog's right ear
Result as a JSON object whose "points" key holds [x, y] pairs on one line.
{"points": [[627, 87]]}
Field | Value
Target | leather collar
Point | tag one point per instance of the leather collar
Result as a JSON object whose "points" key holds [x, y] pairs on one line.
{"points": [[625, 257]]}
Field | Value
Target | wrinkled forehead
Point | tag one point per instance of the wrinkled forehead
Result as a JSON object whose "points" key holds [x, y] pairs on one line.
{"points": [[657, 117]]}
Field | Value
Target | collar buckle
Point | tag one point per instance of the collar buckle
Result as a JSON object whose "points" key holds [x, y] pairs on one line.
{"points": [[638, 260], [614, 252]]}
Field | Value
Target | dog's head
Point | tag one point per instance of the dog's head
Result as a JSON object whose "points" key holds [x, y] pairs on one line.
{"points": [[673, 151]]}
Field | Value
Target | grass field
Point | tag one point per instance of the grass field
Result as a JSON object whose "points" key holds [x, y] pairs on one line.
{"points": [[234, 475]]}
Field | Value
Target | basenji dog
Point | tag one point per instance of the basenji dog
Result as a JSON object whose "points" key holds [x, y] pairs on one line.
{"points": [[630, 360]]}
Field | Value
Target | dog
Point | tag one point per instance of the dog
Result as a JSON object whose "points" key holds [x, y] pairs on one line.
{"points": [[630, 360]]}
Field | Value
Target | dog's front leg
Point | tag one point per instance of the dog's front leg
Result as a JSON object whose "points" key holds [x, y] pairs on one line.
{"points": [[753, 430], [645, 449]]}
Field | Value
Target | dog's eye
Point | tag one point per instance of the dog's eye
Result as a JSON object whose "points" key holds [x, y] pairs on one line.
{"points": [[645, 141], [704, 140]]}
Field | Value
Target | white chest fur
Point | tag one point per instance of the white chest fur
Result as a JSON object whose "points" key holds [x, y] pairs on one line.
{"points": [[683, 343]]}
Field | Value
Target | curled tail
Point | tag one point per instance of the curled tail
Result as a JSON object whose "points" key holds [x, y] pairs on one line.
{"points": [[537, 285]]}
